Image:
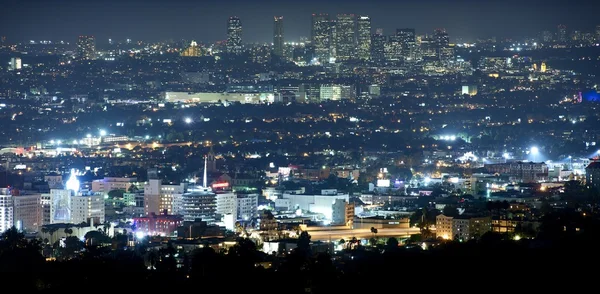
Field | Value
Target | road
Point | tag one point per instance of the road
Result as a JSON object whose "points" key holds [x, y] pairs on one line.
{"points": [[347, 234]]}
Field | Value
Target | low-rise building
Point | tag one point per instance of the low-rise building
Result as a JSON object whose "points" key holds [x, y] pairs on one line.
{"points": [[462, 227]]}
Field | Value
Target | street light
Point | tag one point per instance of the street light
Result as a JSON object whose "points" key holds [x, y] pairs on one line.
{"points": [[188, 120], [102, 133]]}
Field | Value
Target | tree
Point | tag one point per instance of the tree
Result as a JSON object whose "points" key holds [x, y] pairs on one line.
{"points": [[68, 231], [304, 242], [392, 243], [450, 210]]}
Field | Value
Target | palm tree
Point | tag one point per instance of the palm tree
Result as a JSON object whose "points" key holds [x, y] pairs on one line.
{"points": [[68, 231]]}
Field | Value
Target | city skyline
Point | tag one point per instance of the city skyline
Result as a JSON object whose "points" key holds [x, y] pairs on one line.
{"points": [[205, 22]]}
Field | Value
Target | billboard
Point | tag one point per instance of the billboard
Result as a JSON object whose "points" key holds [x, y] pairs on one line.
{"points": [[61, 207]]}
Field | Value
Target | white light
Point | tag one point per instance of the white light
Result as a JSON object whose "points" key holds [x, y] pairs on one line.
{"points": [[147, 137], [505, 155], [427, 180], [188, 120], [534, 150], [102, 133], [51, 141], [139, 234], [88, 135], [75, 142], [73, 182], [452, 138], [58, 142]]}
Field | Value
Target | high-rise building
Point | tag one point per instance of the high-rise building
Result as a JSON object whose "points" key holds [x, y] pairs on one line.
{"points": [[278, 36], [321, 36], [197, 203], [378, 42], [159, 198], [234, 36], [6, 209], [345, 37], [598, 33], [27, 212], [561, 33], [393, 49], [15, 63], [364, 37], [247, 206], [547, 36], [87, 207], [408, 41], [86, 47], [442, 42]]}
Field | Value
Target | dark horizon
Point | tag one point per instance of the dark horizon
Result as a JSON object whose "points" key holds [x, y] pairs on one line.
{"points": [[205, 21]]}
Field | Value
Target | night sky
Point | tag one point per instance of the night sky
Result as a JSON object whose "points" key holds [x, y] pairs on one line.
{"points": [[154, 20]]}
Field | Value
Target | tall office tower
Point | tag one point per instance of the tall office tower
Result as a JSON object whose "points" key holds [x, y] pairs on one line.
{"points": [[6, 209], [345, 37], [598, 33], [442, 43], [234, 36], [278, 36], [393, 49], [364, 37], [408, 40], [561, 33], [378, 48], [321, 36], [547, 36], [86, 47]]}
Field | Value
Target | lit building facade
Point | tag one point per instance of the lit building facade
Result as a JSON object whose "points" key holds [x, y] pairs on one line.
{"points": [[27, 212], [592, 175], [462, 227], [378, 42], [234, 36], [321, 37], [345, 37], [197, 203], [86, 47], [161, 225], [87, 208], [363, 38], [278, 40], [247, 206], [159, 198], [6, 209]]}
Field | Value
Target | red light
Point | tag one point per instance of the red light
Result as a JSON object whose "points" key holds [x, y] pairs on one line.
{"points": [[220, 185]]}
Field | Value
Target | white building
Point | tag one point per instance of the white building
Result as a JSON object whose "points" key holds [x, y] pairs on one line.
{"points": [[227, 205], [159, 197], [86, 207], [313, 203], [247, 206], [16, 63], [197, 203], [108, 184], [6, 210], [337, 92], [27, 211]]}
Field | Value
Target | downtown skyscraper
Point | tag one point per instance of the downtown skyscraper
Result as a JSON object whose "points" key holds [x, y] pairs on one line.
{"points": [[234, 36], [321, 37], [278, 41], [345, 37], [86, 47], [378, 43], [408, 40], [363, 38]]}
